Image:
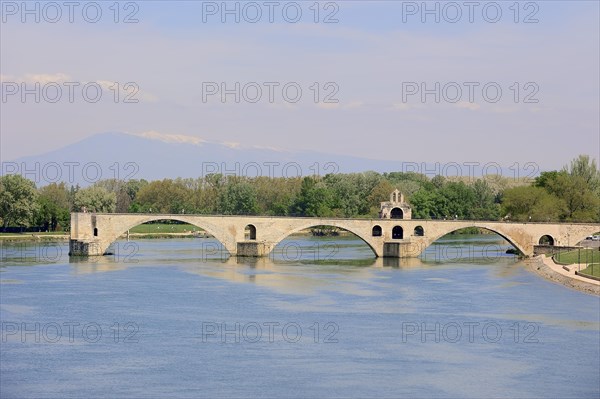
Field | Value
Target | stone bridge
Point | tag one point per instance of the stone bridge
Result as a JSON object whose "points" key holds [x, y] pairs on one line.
{"points": [[92, 233]]}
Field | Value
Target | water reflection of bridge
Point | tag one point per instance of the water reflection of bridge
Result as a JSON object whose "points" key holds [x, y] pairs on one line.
{"points": [[92, 233]]}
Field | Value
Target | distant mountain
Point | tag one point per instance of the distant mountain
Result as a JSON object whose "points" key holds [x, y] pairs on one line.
{"points": [[153, 156], [157, 156]]}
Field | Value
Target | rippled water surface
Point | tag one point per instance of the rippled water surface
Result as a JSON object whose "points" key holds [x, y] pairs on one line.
{"points": [[319, 318]]}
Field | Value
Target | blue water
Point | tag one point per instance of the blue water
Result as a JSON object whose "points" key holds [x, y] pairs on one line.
{"points": [[319, 318]]}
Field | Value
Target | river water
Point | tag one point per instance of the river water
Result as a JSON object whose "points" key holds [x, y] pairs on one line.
{"points": [[321, 317]]}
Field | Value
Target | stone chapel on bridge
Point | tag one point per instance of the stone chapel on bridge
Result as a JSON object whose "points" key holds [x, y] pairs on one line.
{"points": [[395, 208]]}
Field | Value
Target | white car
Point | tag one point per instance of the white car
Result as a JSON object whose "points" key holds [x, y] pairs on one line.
{"points": [[596, 238]]}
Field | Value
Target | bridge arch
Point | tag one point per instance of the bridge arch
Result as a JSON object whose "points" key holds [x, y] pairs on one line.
{"points": [[419, 231], [586, 232], [397, 233], [250, 232], [366, 238], [129, 224], [397, 213], [512, 241], [377, 231], [546, 239]]}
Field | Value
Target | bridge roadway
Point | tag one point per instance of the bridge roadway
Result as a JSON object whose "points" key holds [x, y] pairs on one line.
{"points": [[92, 233]]}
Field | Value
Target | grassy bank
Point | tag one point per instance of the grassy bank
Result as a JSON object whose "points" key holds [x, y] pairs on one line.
{"points": [[162, 228], [45, 233], [49, 236], [587, 256], [592, 270], [150, 230]]}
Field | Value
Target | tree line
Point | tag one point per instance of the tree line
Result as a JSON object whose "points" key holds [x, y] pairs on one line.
{"points": [[570, 195]]}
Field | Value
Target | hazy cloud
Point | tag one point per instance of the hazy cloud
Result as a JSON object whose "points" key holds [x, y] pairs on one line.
{"points": [[170, 138]]}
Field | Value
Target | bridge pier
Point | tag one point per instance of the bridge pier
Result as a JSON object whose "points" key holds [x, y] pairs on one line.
{"points": [[84, 248], [253, 249], [399, 249]]}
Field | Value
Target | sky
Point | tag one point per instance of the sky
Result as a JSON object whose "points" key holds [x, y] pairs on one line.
{"points": [[483, 81]]}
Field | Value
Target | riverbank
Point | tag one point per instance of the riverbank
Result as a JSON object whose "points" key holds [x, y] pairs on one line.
{"points": [[27, 237], [33, 237], [546, 268], [166, 235], [65, 237]]}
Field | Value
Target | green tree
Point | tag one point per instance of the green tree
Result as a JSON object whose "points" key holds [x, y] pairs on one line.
{"points": [[238, 198], [345, 198], [125, 191], [165, 196], [521, 203], [17, 200], [53, 207], [367, 182], [484, 205], [581, 203], [95, 199], [578, 186], [586, 168], [276, 196], [207, 197], [460, 200], [314, 199], [428, 204], [546, 179], [378, 194], [438, 181]]}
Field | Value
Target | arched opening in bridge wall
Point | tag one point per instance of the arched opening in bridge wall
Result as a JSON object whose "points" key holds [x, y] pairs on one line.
{"points": [[250, 232], [419, 231], [95, 232], [546, 240], [397, 213], [196, 241], [326, 245], [164, 227], [397, 233], [377, 231], [587, 240], [471, 245]]}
